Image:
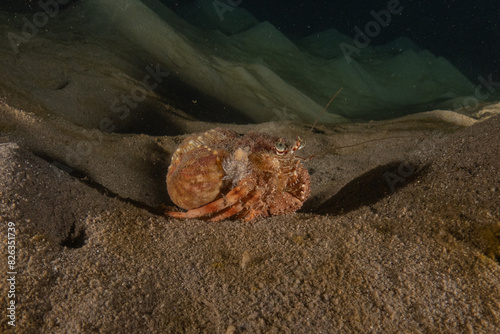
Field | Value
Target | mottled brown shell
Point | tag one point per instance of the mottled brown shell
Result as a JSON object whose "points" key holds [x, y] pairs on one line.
{"points": [[195, 175], [256, 178]]}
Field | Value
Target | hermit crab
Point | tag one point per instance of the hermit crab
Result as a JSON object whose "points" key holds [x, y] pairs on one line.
{"points": [[221, 174]]}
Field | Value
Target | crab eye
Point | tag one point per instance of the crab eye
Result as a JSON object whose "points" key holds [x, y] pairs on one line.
{"points": [[280, 147]]}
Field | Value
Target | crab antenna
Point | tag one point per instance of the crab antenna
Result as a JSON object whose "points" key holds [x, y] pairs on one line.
{"points": [[324, 109]]}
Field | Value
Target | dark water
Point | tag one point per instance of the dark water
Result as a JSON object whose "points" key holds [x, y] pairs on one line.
{"points": [[466, 33]]}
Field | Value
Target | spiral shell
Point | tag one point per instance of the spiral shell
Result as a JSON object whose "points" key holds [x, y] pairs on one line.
{"points": [[221, 173]]}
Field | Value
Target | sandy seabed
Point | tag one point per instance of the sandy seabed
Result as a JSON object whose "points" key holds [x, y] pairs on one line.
{"points": [[400, 235]]}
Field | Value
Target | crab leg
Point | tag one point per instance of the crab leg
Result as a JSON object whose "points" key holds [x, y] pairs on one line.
{"points": [[237, 208], [231, 198]]}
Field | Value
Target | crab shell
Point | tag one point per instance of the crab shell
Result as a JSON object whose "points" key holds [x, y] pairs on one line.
{"points": [[222, 174]]}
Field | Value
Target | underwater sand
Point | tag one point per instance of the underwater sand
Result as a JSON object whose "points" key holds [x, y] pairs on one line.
{"points": [[401, 233], [359, 256]]}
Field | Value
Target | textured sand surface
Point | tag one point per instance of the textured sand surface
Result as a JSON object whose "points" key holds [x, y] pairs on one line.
{"points": [[94, 255], [401, 233]]}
